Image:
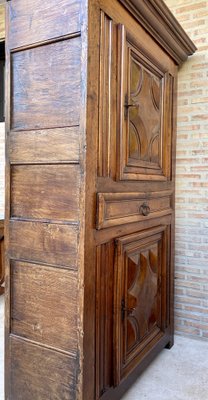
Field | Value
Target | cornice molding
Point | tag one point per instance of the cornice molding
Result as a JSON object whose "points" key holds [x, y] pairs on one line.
{"points": [[161, 24]]}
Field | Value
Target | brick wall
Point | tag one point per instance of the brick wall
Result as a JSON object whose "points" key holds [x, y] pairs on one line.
{"points": [[191, 300]]}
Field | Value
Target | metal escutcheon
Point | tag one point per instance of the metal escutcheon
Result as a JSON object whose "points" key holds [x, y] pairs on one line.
{"points": [[144, 209]]}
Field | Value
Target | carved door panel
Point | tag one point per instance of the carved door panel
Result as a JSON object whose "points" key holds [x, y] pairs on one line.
{"points": [[141, 296], [134, 204], [145, 125]]}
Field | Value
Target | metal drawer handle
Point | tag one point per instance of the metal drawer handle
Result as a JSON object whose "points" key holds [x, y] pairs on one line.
{"points": [[144, 209]]}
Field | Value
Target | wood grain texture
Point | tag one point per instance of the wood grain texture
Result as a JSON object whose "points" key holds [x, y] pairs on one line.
{"points": [[67, 102], [43, 146], [44, 242], [44, 305], [107, 98], [2, 257], [38, 373], [46, 86], [123, 208], [104, 317], [144, 141], [141, 296], [48, 192], [46, 96], [42, 20]]}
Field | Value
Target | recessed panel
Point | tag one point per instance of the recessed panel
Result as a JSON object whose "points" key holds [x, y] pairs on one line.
{"points": [[104, 316], [53, 244], [144, 140], [38, 373], [146, 109], [141, 295], [46, 86], [45, 146], [44, 305], [41, 20], [123, 208], [45, 192]]}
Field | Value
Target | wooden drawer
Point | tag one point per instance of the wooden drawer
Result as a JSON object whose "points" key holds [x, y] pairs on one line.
{"points": [[123, 208]]}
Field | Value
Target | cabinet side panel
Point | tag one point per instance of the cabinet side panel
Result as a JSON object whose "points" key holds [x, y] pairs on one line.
{"points": [[38, 372], [42, 20], [45, 175]]}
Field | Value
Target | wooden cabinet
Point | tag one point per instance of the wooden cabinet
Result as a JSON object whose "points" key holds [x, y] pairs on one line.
{"points": [[141, 296], [91, 104]]}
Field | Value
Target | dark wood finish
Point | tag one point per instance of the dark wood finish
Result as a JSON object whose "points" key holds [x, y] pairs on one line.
{"points": [[45, 63], [47, 371], [91, 103], [2, 262], [41, 317], [48, 243], [134, 191], [38, 93], [104, 326], [42, 20], [141, 298], [145, 86], [122, 208], [56, 145], [48, 195]]}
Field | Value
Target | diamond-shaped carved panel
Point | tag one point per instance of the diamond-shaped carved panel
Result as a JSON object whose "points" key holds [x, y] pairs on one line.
{"points": [[140, 289], [142, 294], [144, 114]]}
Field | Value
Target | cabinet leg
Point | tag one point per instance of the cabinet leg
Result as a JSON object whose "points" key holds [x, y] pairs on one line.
{"points": [[170, 344]]}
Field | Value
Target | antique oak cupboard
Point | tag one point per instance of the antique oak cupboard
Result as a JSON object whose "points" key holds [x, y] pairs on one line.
{"points": [[91, 104]]}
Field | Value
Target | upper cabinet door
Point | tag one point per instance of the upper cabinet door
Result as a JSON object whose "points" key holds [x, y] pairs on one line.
{"points": [[145, 110]]}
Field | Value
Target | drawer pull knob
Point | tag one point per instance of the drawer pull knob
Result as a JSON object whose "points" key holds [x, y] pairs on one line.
{"points": [[144, 209]]}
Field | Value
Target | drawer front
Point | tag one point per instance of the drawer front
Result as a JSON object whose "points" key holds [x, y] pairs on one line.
{"points": [[123, 208]]}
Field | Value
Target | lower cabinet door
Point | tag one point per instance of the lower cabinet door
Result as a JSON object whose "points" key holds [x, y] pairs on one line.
{"points": [[141, 296]]}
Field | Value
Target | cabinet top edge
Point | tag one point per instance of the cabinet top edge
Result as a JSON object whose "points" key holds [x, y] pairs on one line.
{"points": [[158, 20]]}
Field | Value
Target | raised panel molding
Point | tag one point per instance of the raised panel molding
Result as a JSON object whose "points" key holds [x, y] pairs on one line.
{"points": [[104, 317], [146, 89], [123, 208], [157, 19], [141, 297], [107, 97]]}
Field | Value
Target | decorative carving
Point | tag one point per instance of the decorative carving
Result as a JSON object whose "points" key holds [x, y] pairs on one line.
{"points": [[141, 296], [107, 97], [123, 208], [145, 112], [156, 18], [144, 118]]}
